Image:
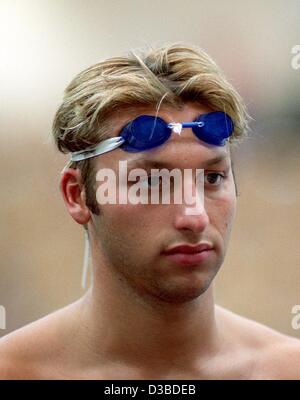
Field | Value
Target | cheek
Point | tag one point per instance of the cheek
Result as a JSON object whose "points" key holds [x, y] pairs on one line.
{"points": [[126, 237], [229, 214], [127, 228], [222, 212]]}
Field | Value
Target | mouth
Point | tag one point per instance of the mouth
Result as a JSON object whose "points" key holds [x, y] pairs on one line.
{"points": [[189, 255]]}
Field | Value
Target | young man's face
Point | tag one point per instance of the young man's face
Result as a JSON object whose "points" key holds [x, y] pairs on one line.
{"points": [[131, 239]]}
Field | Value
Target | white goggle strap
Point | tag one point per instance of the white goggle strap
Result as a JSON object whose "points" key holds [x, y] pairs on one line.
{"points": [[86, 259], [101, 148]]}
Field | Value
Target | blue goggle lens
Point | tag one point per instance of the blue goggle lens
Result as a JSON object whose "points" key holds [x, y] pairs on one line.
{"points": [[217, 127], [146, 131]]}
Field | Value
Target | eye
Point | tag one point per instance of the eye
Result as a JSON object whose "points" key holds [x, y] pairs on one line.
{"points": [[214, 178], [152, 181]]}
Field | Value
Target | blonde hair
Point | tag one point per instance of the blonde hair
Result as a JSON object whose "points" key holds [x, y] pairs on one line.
{"points": [[174, 74]]}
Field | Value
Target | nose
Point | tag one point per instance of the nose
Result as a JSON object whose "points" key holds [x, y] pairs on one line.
{"points": [[192, 216], [195, 223]]}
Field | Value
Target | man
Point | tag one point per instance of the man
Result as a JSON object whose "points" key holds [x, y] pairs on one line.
{"points": [[150, 312]]}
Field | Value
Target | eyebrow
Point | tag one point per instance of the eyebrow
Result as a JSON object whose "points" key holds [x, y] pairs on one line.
{"points": [[144, 162]]}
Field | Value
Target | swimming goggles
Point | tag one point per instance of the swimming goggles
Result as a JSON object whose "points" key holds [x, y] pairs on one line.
{"points": [[146, 132]]}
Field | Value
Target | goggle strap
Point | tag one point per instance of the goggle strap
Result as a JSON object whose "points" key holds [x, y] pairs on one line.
{"points": [[86, 260], [103, 147], [176, 127], [198, 124]]}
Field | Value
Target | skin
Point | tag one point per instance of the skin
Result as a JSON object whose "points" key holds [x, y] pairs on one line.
{"points": [[146, 317]]}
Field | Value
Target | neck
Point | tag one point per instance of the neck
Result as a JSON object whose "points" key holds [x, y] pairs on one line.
{"points": [[120, 325]]}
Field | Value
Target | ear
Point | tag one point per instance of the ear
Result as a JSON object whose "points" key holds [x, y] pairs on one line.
{"points": [[74, 195]]}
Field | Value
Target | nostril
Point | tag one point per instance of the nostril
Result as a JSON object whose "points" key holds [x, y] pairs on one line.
{"points": [[194, 223]]}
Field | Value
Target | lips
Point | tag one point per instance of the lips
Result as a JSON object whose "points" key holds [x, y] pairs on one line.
{"points": [[188, 255], [188, 249]]}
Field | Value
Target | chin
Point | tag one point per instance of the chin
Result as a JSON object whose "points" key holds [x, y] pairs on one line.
{"points": [[180, 295]]}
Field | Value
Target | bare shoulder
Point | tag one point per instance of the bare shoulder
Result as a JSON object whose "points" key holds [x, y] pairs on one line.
{"points": [[12, 366], [27, 352], [274, 355]]}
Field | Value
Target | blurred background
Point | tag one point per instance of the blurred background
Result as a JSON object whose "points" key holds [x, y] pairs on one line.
{"points": [[45, 43]]}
